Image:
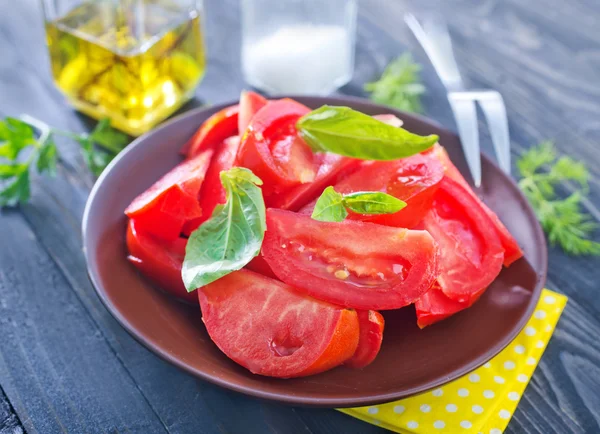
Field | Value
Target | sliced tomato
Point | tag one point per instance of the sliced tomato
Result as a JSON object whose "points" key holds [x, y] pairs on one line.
{"points": [[159, 260], [212, 192], [250, 104], [434, 306], [512, 251], [351, 263], [272, 329], [371, 325], [213, 131], [273, 150], [259, 265], [414, 180], [332, 167], [163, 209], [470, 251]]}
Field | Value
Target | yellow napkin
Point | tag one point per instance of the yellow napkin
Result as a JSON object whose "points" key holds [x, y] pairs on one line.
{"points": [[482, 401]]}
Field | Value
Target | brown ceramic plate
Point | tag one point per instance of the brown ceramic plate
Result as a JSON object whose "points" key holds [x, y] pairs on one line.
{"points": [[410, 361]]}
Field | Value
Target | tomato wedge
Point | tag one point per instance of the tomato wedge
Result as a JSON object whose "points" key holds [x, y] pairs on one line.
{"points": [[259, 265], [351, 263], [213, 131], [512, 251], [163, 209], [158, 260], [273, 150], [250, 104], [271, 329], [470, 251], [434, 306], [332, 168], [212, 192], [414, 180], [371, 325]]}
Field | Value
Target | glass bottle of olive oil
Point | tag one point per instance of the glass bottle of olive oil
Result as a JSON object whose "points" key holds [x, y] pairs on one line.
{"points": [[135, 61]]}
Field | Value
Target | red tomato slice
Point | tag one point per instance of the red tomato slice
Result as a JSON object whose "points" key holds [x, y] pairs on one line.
{"points": [[212, 192], [434, 306], [332, 168], [158, 260], [259, 265], [163, 209], [369, 342], [250, 104], [351, 263], [470, 250], [273, 150], [512, 251], [272, 329], [213, 131], [414, 180]]}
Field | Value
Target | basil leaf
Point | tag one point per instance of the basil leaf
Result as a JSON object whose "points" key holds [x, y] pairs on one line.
{"points": [[329, 207], [348, 132], [232, 236], [374, 202]]}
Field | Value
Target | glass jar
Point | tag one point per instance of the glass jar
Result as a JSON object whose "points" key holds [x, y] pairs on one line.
{"points": [[298, 46], [134, 61]]}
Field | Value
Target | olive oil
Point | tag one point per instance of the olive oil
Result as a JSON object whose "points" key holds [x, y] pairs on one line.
{"points": [[135, 66]]}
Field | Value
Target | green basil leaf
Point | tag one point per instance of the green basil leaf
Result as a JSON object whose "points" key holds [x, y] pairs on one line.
{"points": [[330, 207], [232, 236], [374, 202], [348, 132]]}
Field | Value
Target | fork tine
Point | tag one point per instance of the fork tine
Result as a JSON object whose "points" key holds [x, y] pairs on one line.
{"points": [[494, 110], [465, 113]]}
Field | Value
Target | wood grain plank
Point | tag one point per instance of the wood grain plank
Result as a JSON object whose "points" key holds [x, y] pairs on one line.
{"points": [[55, 367], [9, 422]]}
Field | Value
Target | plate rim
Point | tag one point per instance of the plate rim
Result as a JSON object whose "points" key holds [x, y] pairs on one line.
{"points": [[291, 399]]}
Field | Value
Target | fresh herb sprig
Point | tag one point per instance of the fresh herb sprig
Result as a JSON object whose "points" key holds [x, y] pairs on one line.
{"points": [[399, 86], [27, 145], [333, 206], [562, 218]]}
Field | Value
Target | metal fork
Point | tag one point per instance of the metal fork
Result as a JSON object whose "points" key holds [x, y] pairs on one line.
{"points": [[434, 38]]}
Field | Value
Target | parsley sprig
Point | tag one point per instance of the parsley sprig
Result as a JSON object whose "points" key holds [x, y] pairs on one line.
{"points": [[562, 218], [27, 145], [399, 86]]}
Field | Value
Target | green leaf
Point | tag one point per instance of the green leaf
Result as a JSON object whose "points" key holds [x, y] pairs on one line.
{"points": [[47, 157], [536, 157], [330, 207], [108, 137], [16, 191], [374, 202], [568, 169], [95, 159], [232, 236], [344, 131], [399, 86], [11, 170], [15, 135]]}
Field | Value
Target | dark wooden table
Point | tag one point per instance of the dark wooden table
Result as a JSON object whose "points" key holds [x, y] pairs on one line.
{"points": [[67, 366]]}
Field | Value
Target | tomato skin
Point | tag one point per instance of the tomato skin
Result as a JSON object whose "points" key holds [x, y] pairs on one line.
{"points": [[414, 180], [351, 263], [273, 150], [260, 266], [470, 250], [512, 251], [213, 131], [160, 261], [163, 209], [212, 192], [371, 324], [250, 104], [434, 306], [271, 329], [332, 167]]}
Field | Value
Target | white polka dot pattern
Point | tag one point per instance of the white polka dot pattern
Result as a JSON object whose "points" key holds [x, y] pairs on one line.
{"points": [[481, 401]]}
